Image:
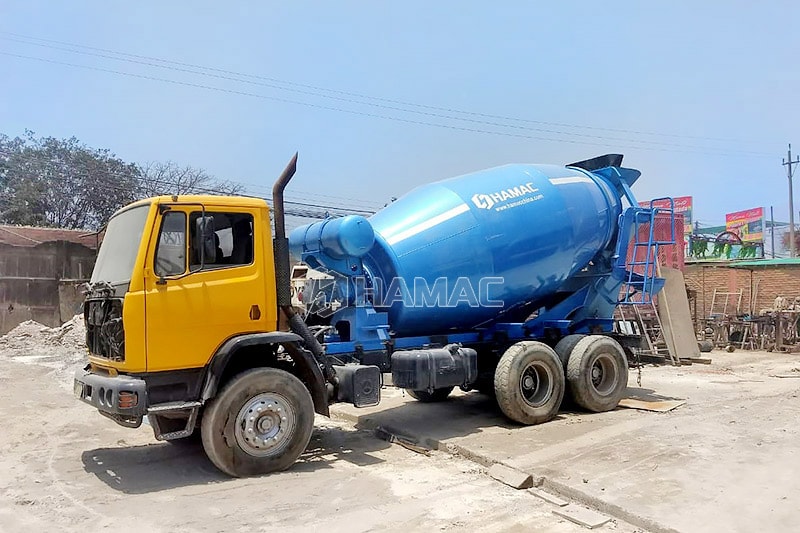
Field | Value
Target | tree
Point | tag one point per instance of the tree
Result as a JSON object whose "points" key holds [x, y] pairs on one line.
{"points": [[157, 178], [61, 182], [786, 240]]}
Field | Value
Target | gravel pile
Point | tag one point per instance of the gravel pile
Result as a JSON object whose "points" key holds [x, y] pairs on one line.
{"points": [[63, 348]]}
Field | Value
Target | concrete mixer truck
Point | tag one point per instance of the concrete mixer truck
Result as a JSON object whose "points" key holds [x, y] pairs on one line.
{"points": [[504, 281]]}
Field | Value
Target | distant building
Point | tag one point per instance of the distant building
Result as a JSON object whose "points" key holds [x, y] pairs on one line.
{"points": [[40, 270]]}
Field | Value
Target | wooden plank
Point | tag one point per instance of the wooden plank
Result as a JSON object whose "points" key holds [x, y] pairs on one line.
{"points": [[661, 406], [698, 360], [676, 317]]}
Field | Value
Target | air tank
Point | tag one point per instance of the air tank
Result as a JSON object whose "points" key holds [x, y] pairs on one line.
{"points": [[498, 238]]}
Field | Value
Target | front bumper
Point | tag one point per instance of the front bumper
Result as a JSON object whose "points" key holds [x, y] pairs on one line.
{"points": [[119, 397]]}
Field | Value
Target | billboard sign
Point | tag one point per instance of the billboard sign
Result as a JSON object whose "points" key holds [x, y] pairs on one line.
{"points": [[682, 205], [747, 224]]}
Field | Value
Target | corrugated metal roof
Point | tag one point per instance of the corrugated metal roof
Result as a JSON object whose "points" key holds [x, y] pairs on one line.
{"points": [[30, 236], [787, 261]]}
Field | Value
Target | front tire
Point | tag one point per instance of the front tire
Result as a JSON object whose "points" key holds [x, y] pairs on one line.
{"points": [[529, 383], [597, 373], [259, 423]]}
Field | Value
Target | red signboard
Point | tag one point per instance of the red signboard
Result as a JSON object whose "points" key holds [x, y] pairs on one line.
{"points": [[747, 224], [681, 204]]}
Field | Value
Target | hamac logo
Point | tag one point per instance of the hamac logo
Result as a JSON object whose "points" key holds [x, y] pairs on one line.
{"points": [[487, 201], [483, 201]]}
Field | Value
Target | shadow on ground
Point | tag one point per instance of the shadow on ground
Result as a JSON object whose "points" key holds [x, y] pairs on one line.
{"points": [[648, 395], [163, 466], [474, 426]]}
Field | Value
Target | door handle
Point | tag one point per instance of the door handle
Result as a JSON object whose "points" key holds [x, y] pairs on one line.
{"points": [[255, 312]]}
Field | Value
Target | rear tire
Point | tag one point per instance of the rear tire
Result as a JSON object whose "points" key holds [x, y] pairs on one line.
{"points": [[438, 395], [529, 383], [259, 423], [566, 345], [597, 373]]}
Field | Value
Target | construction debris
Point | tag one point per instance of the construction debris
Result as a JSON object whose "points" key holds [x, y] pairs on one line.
{"points": [[510, 476], [583, 516], [549, 498], [405, 442], [63, 348]]}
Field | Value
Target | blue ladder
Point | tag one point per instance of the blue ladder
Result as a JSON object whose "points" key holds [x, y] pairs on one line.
{"points": [[640, 287]]}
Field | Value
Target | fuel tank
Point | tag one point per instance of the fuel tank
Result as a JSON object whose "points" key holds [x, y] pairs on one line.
{"points": [[459, 253]]}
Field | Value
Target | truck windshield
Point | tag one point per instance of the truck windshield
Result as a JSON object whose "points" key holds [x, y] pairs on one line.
{"points": [[120, 245]]}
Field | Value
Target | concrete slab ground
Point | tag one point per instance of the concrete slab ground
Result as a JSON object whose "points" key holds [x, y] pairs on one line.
{"points": [[65, 468], [727, 460]]}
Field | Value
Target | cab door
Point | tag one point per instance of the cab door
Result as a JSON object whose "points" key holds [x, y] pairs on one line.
{"points": [[203, 283]]}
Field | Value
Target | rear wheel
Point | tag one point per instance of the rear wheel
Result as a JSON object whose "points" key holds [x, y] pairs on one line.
{"points": [[438, 395], [597, 373], [565, 347], [529, 383], [260, 422]]}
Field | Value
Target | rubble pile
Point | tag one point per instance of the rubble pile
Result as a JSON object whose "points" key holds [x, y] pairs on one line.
{"points": [[31, 335], [63, 348]]}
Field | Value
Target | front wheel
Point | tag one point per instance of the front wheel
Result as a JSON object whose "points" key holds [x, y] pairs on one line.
{"points": [[529, 383], [259, 423]]}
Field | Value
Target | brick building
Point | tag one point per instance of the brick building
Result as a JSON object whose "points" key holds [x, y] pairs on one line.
{"points": [[40, 271], [760, 282]]}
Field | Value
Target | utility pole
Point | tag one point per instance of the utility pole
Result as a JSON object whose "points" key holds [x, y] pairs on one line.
{"points": [[772, 230], [789, 164]]}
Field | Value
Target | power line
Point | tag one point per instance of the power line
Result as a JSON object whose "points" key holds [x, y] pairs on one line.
{"points": [[351, 100], [300, 209], [350, 93], [373, 115], [353, 206], [355, 203]]}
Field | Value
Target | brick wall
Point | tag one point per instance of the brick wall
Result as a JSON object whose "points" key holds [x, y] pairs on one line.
{"points": [[765, 283]]}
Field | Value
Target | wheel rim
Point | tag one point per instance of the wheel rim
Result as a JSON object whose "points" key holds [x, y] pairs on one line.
{"points": [[536, 384], [604, 374], [265, 424]]}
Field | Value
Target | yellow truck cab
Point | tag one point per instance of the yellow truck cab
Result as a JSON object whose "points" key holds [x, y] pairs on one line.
{"points": [[182, 328]]}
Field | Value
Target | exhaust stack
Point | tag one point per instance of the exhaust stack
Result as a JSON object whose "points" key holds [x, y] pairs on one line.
{"points": [[282, 269]]}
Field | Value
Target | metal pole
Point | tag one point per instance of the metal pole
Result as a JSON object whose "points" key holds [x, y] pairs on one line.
{"points": [[772, 230], [789, 164], [791, 212]]}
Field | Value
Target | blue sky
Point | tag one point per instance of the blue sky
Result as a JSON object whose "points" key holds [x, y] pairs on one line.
{"points": [[700, 96]]}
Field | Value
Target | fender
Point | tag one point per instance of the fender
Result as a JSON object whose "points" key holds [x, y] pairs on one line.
{"points": [[304, 361]]}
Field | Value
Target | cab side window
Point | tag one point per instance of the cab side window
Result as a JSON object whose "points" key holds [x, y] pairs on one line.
{"points": [[171, 252], [220, 240]]}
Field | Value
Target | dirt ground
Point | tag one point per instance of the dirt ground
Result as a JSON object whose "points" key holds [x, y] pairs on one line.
{"points": [[64, 467], [724, 461], [727, 460]]}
